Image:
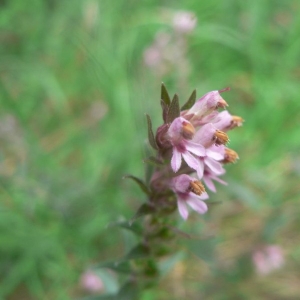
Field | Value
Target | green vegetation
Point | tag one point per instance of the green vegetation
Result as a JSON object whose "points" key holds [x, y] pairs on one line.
{"points": [[73, 93]]}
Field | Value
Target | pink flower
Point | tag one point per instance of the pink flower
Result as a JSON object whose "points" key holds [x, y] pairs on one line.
{"points": [[91, 282], [213, 155], [268, 259], [204, 106], [184, 21], [225, 121], [180, 134], [191, 192], [209, 176]]}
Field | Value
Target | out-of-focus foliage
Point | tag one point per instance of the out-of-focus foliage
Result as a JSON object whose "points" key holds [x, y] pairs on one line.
{"points": [[74, 86]]}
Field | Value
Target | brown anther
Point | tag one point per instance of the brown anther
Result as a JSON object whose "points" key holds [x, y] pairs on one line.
{"points": [[221, 103], [188, 130], [220, 137], [230, 156], [197, 187], [236, 122]]}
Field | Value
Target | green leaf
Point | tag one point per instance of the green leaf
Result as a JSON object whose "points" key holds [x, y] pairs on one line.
{"points": [[139, 251], [121, 266], [174, 110], [129, 291], [131, 226], [154, 161], [151, 137], [140, 182], [190, 102], [164, 110], [164, 95], [144, 209], [99, 297]]}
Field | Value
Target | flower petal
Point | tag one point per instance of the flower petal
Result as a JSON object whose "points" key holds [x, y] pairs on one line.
{"points": [[191, 161], [182, 182], [176, 160], [182, 209], [216, 152], [209, 183], [197, 205], [203, 196], [200, 169], [214, 165], [195, 148]]}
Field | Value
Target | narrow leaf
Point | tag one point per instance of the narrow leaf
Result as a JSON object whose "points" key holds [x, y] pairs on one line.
{"points": [[164, 107], [134, 227], [141, 184], [151, 137], [154, 161], [174, 110], [144, 209], [129, 291], [139, 251], [164, 95], [122, 266], [191, 101]]}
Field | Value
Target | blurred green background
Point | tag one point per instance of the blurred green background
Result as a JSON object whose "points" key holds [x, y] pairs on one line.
{"points": [[77, 76]]}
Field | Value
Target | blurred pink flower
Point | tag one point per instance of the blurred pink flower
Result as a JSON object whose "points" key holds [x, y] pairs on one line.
{"points": [[180, 133], [268, 259], [184, 21], [91, 282], [189, 191]]}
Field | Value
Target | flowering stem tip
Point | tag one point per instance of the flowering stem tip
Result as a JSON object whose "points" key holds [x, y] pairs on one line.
{"points": [[191, 143]]}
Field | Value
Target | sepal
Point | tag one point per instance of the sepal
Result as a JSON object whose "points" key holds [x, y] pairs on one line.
{"points": [[131, 226], [154, 161], [174, 109], [151, 137], [164, 95], [144, 209], [140, 182], [190, 102]]}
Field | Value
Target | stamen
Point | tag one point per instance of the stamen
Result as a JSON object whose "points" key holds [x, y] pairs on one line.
{"points": [[220, 138], [188, 130], [236, 122], [221, 103], [230, 156], [197, 187]]}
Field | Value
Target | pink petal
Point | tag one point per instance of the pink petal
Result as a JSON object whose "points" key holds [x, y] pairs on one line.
{"points": [[182, 182], [175, 128], [195, 148], [220, 180], [209, 183], [203, 196], [197, 205], [176, 160], [224, 120], [182, 209], [191, 161], [217, 154], [215, 166], [200, 169], [205, 134]]}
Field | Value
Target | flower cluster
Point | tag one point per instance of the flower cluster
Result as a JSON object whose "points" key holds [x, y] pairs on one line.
{"points": [[191, 145]]}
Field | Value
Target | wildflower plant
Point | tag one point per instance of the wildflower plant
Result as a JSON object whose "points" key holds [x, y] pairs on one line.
{"points": [[190, 154]]}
